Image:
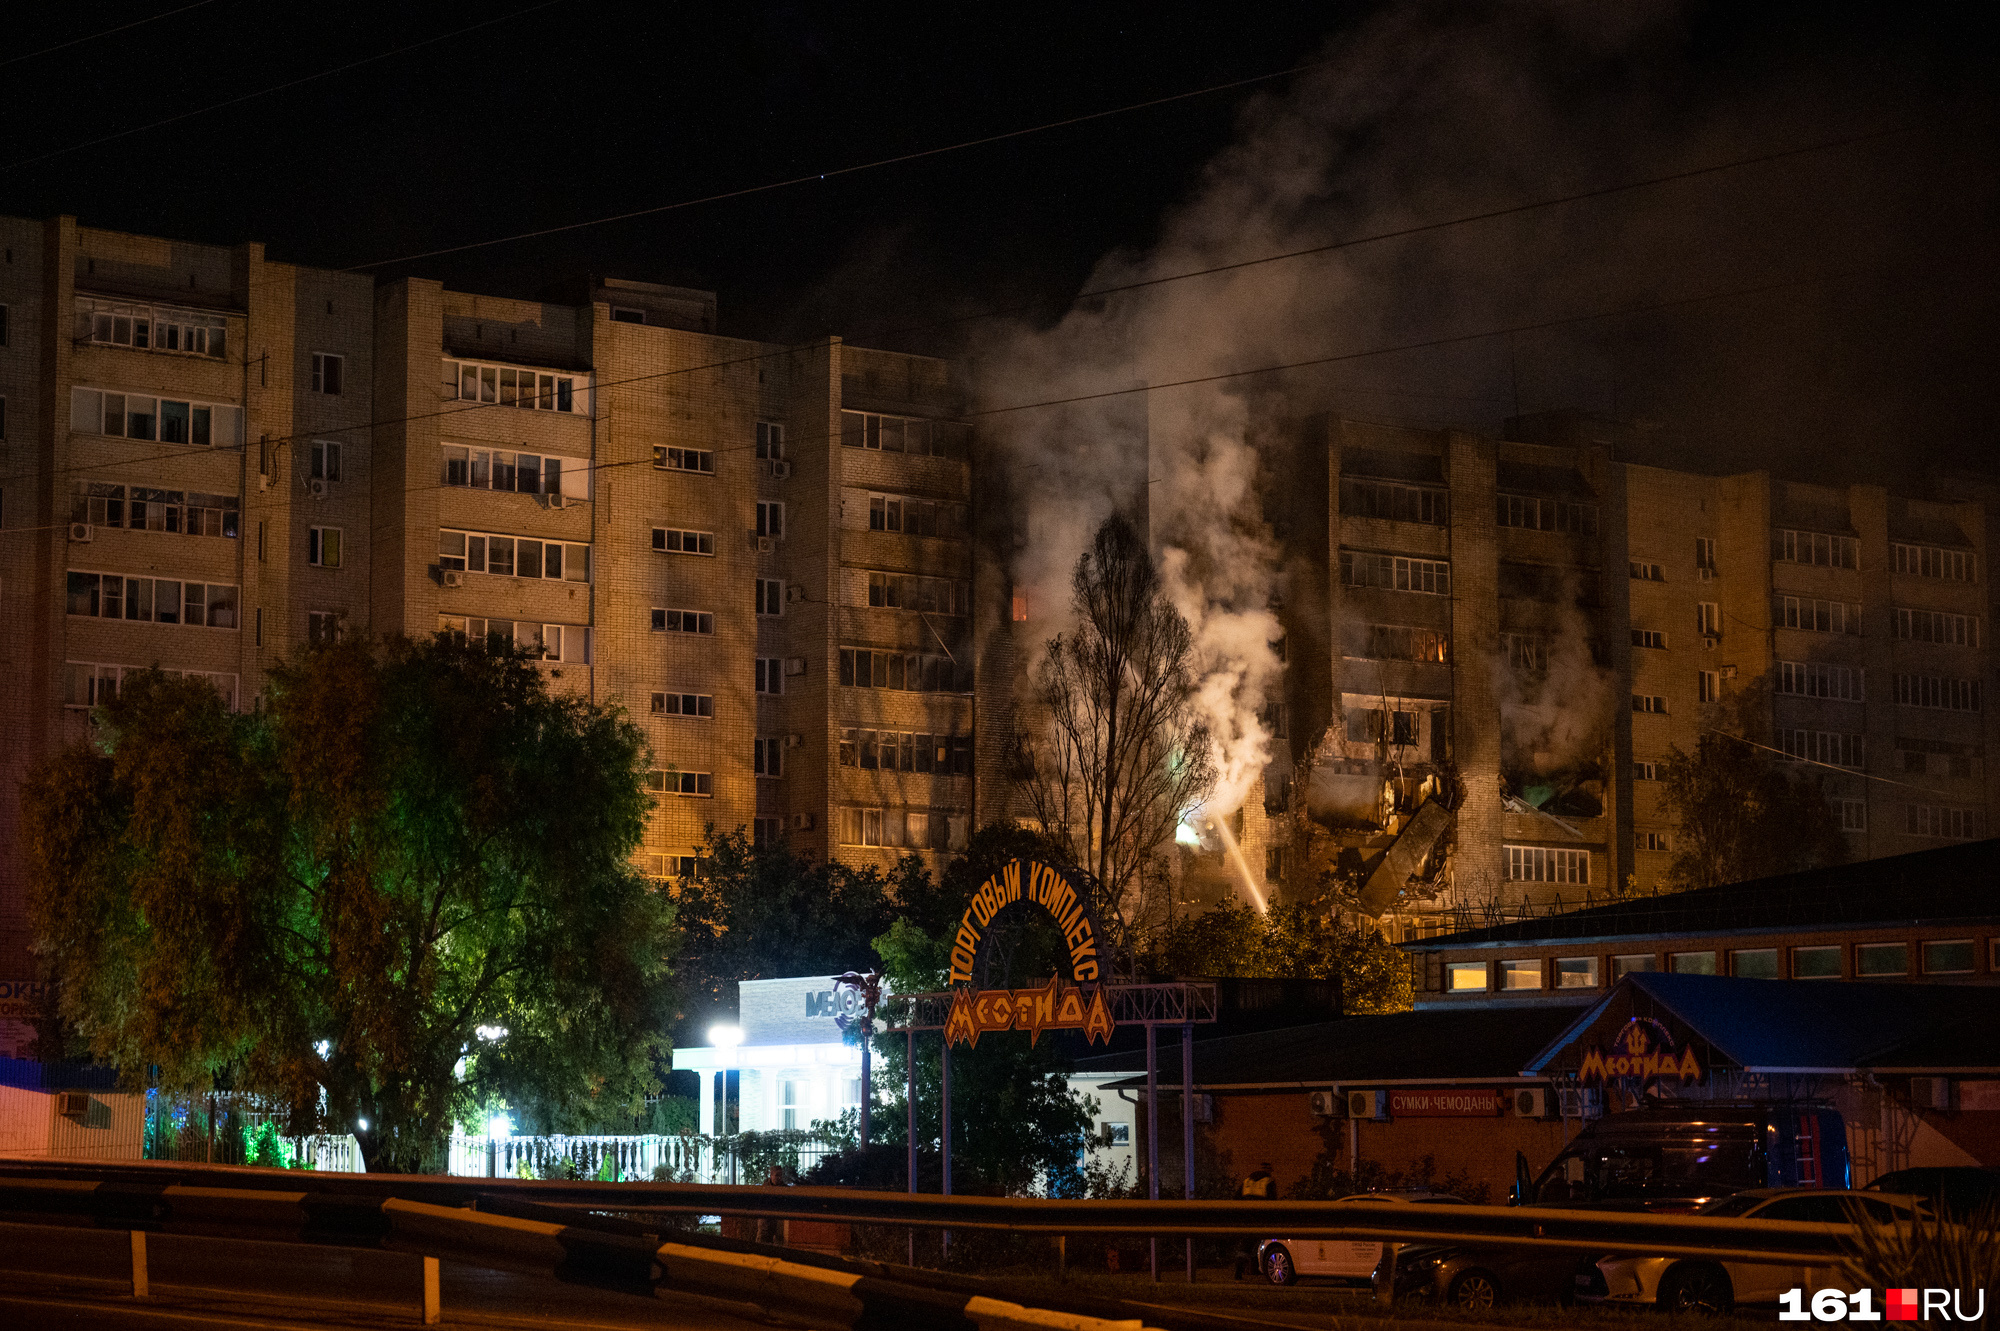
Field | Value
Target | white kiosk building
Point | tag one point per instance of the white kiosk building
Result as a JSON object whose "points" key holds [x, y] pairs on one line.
{"points": [[792, 1067]]}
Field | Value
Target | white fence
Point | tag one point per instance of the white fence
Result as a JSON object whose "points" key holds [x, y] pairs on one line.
{"points": [[643, 1157]]}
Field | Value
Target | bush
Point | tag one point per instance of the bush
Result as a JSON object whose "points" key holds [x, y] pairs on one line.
{"points": [[1930, 1252]]}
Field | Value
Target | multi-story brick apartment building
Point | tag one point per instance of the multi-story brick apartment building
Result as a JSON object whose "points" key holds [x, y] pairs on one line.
{"points": [[762, 552], [1544, 621]]}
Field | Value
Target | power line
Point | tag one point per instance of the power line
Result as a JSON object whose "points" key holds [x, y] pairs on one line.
{"points": [[278, 87], [123, 27], [1814, 762]]}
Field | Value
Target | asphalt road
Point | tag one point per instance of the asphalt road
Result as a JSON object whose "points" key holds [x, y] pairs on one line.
{"points": [[60, 1277]]}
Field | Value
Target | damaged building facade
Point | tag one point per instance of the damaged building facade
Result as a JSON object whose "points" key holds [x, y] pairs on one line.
{"points": [[1492, 645]]}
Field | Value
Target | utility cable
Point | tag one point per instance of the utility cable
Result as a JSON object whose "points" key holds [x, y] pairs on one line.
{"points": [[1831, 767], [123, 27]]}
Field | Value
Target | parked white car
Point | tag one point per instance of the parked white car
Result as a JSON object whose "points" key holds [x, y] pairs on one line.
{"points": [[1682, 1284], [1284, 1260]]}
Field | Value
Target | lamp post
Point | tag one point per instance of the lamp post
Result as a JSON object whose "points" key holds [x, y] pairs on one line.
{"points": [[726, 1038]]}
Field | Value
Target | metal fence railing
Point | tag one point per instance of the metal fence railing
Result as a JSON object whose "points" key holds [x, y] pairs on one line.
{"points": [[640, 1157]]}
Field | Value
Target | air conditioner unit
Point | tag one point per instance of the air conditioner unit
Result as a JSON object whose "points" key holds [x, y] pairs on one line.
{"points": [[795, 741], [1368, 1104], [557, 500], [1579, 1102], [1931, 1092], [81, 531], [765, 545], [1324, 1104], [1531, 1102], [780, 468], [316, 488], [802, 822], [73, 1104], [452, 577], [795, 591], [795, 665]]}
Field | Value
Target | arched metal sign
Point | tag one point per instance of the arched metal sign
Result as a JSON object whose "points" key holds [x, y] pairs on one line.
{"points": [[1024, 883]]}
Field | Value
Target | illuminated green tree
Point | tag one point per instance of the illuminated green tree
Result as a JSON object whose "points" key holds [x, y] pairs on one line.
{"points": [[1291, 941], [403, 853]]}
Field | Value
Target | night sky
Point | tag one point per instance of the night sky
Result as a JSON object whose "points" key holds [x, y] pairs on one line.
{"points": [[1829, 315]]}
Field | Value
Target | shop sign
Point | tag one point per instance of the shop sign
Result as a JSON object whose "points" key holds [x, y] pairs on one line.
{"points": [[1474, 1102], [1642, 1050], [20, 1000], [1053, 1007], [1032, 883]]}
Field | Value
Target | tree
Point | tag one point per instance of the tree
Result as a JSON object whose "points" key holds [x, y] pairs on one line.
{"points": [[1118, 755], [1742, 816], [408, 856], [1292, 940]]}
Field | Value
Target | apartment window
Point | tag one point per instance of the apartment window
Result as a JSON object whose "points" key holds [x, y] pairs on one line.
{"points": [[770, 677], [1937, 691], [769, 756], [150, 327], [693, 785], [144, 508], [770, 440], [322, 627], [1277, 722], [766, 831], [1359, 568], [3, 325], [683, 621], [1756, 963], [770, 596], [770, 519], [1936, 626], [1576, 972], [569, 643], [683, 704], [1541, 864], [1633, 963], [916, 517], [915, 829], [1649, 702], [918, 672], [509, 473], [151, 600], [1645, 771], [87, 684], [513, 556], [1465, 976], [1649, 638], [323, 547], [674, 541], [1930, 561], [1816, 963], [1536, 513], [1645, 572], [906, 751], [1708, 619], [325, 460], [1521, 974], [1877, 959], [1362, 498], [1814, 616], [1811, 680], [1704, 557], [1948, 958], [1832, 748], [1528, 652], [1020, 609], [167, 420], [511, 386], [907, 591], [1944, 822], [902, 434], [1708, 686], [621, 315], [1853, 815], [3, 418], [1397, 642], [683, 459], [1653, 841], [1691, 963], [1812, 547], [326, 372], [1274, 863]]}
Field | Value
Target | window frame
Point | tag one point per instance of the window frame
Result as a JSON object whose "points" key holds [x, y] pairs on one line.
{"points": [[329, 373], [317, 546]]}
